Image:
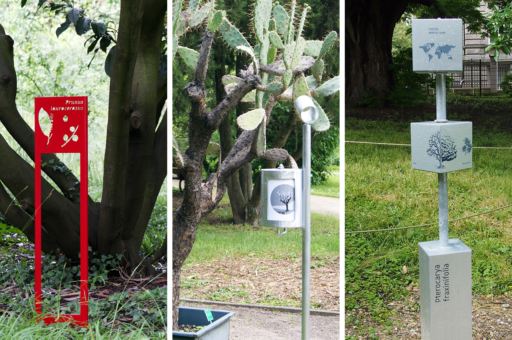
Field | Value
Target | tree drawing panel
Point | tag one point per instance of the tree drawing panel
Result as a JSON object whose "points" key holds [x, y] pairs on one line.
{"points": [[281, 200], [442, 147]]}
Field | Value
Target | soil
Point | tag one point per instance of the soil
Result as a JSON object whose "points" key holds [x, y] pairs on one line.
{"points": [[264, 281], [492, 319], [251, 324]]}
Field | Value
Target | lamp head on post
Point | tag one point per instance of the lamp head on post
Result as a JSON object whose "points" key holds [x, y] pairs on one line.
{"points": [[307, 109]]}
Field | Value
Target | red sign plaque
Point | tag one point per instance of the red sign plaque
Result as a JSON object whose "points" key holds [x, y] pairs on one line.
{"points": [[61, 127]]}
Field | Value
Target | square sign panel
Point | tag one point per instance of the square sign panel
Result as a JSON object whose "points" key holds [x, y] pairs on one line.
{"points": [[442, 147], [437, 45]]}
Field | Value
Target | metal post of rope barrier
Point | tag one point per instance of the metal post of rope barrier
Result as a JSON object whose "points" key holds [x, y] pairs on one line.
{"points": [[442, 146]]}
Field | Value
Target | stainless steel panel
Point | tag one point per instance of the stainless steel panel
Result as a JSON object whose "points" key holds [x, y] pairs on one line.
{"points": [[445, 291]]}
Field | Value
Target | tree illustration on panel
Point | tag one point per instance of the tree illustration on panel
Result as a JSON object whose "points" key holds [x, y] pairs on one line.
{"points": [[285, 198], [442, 147], [467, 146]]}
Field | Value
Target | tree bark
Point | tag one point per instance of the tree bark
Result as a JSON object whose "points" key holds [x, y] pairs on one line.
{"points": [[112, 215], [369, 26], [200, 200]]}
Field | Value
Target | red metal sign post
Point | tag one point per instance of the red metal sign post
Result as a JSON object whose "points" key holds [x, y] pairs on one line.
{"points": [[61, 127]]}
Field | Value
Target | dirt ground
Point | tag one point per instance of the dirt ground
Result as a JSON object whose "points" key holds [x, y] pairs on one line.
{"points": [[492, 320], [255, 324], [261, 281]]}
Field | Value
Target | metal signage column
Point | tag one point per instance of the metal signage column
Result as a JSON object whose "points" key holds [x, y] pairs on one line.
{"points": [[61, 127], [442, 146], [285, 201]]}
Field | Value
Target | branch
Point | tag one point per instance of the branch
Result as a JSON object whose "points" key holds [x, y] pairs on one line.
{"points": [[16, 125], [24, 221], [204, 56], [217, 115]]}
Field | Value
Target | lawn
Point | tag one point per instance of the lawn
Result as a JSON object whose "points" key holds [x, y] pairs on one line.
{"points": [[331, 187], [246, 264], [382, 191]]}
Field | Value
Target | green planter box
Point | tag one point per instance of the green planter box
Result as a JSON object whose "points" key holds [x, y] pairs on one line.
{"points": [[217, 330]]}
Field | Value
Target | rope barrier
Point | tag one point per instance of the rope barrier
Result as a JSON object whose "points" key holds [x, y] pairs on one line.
{"points": [[395, 144], [429, 224]]}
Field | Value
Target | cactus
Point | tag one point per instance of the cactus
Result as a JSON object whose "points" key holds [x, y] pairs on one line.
{"points": [[230, 79], [275, 88], [302, 20], [312, 83], [182, 24], [328, 88], [313, 47], [232, 35], [250, 97], [287, 78], [287, 58], [174, 45], [176, 14], [199, 16], [318, 69], [322, 123], [281, 18], [192, 6], [214, 24], [265, 45], [328, 42], [190, 57], [278, 68], [272, 52], [250, 52], [271, 25], [297, 53], [259, 144], [289, 40], [230, 87], [275, 40], [179, 162], [300, 88], [212, 148], [262, 11], [250, 120]]}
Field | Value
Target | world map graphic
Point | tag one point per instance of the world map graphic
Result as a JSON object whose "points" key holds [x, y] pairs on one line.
{"points": [[438, 51]]}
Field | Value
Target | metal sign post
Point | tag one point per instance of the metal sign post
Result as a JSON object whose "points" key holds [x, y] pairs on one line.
{"points": [[61, 127], [287, 186], [442, 146]]}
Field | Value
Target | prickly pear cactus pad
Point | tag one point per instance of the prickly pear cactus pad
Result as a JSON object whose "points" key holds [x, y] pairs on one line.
{"points": [[250, 120], [216, 21], [262, 12], [281, 17], [313, 48], [232, 35], [200, 16], [329, 87], [328, 42], [278, 68], [322, 123], [190, 57]]}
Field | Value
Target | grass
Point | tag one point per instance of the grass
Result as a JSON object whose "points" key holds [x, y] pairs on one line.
{"points": [[331, 187], [226, 241], [382, 191]]}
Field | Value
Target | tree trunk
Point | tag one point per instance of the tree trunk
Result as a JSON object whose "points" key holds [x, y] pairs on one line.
{"points": [[135, 156], [369, 26], [200, 200]]}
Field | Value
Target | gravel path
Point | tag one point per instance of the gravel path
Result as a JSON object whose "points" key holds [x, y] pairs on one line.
{"points": [[255, 324]]}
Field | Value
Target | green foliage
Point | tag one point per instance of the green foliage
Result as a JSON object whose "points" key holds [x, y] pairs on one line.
{"points": [[506, 85], [500, 21], [467, 10]]}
